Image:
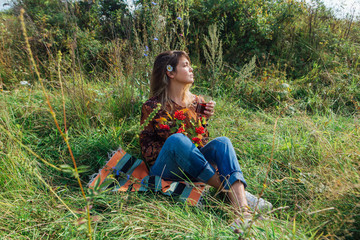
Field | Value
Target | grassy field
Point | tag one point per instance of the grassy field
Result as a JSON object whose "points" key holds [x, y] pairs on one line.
{"points": [[314, 171]]}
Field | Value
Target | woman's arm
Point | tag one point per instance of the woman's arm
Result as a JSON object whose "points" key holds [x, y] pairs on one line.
{"points": [[149, 145], [152, 137]]}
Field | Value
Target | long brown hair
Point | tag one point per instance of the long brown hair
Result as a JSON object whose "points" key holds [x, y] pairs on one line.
{"points": [[159, 83]]}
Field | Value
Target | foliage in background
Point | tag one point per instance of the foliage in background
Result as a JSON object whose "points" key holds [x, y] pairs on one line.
{"points": [[301, 45], [213, 53]]}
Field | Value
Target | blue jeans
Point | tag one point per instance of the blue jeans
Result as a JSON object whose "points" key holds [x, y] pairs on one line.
{"points": [[180, 159]]}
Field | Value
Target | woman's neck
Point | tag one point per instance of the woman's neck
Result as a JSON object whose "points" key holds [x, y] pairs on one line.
{"points": [[176, 93]]}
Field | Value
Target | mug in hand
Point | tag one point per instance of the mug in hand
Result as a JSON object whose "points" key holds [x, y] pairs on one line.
{"points": [[201, 105]]}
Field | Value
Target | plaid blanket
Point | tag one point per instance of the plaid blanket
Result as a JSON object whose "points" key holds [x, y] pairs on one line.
{"points": [[124, 172]]}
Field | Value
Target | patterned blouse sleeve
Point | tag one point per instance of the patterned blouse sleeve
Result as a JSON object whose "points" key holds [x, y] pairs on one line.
{"points": [[148, 137]]}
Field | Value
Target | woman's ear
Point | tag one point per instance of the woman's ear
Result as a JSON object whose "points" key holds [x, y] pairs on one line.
{"points": [[171, 74]]}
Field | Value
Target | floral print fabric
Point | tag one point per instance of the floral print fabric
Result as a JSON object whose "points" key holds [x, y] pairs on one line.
{"points": [[154, 135]]}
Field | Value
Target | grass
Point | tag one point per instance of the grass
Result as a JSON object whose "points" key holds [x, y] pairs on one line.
{"points": [[314, 172]]}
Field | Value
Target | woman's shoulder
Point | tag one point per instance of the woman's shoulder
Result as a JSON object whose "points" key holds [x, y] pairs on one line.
{"points": [[152, 102]]}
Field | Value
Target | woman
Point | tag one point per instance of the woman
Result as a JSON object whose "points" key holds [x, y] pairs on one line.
{"points": [[174, 156]]}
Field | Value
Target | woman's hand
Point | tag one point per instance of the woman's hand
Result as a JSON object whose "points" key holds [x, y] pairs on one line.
{"points": [[210, 108]]}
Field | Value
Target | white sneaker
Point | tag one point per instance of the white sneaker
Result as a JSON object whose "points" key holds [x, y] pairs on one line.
{"points": [[252, 200]]}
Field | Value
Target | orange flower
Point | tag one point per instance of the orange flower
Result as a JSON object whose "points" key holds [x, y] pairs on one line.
{"points": [[161, 120]]}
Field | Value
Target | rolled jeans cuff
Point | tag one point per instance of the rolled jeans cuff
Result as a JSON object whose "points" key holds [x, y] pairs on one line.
{"points": [[206, 173], [235, 176]]}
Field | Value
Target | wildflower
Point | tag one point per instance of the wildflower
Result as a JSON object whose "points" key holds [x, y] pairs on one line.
{"points": [[196, 140], [202, 121], [161, 120], [179, 18], [200, 130], [285, 85], [181, 130], [156, 39], [145, 55], [165, 127], [154, 3], [169, 115], [181, 35], [169, 68], [146, 48], [25, 83], [179, 115]]}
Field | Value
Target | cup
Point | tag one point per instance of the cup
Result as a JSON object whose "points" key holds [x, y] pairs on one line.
{"points": [[201, 105]]}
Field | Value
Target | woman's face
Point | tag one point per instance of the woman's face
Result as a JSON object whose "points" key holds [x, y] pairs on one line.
{"points": [[184, 72]]}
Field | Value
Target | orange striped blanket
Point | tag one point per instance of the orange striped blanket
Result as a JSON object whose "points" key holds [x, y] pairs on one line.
{"points": [[123, 172]]}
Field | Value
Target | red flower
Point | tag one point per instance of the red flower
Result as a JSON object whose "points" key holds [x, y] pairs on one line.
{"points": [[166, 127], [179, 115], [181, 130], [200, 130], [196, 140]]}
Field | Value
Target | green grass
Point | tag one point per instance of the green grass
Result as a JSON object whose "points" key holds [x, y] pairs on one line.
{"points": [[314, 171]]}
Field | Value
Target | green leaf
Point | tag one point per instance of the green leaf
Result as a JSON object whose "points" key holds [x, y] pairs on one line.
{"points": [[83, 168]]}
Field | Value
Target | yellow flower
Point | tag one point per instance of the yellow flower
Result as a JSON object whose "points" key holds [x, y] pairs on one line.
{"points": [[169, 115]]}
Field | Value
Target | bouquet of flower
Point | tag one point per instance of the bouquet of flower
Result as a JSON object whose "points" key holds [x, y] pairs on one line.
{"points": [[180, 123]]}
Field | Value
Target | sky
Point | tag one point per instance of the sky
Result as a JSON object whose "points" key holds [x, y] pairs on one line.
{"points": [[2, 3], [342, 7]]}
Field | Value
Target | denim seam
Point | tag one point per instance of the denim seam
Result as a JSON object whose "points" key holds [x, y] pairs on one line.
{"points": [[241, 178], [209, 168]]}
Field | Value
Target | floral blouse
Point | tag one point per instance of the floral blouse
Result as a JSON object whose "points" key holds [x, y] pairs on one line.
{"points": [[152, 137]]}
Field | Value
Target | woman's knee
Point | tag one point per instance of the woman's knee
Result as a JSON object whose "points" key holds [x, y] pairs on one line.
{"points": [[224, 140], [178, 140], [176, 137]]}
